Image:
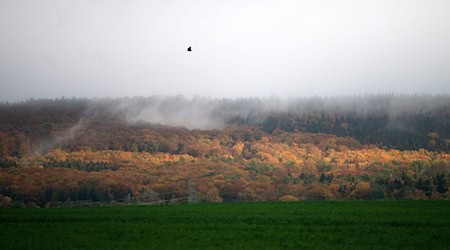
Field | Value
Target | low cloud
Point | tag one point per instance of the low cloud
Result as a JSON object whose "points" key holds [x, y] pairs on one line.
{"points": [[210, 113]]}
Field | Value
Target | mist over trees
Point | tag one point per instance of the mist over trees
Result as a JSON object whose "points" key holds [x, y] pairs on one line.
{"points": [[149, 149], [389, 121]]}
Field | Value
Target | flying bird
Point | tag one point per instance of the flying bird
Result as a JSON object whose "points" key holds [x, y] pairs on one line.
{"points": [[189, 49]]}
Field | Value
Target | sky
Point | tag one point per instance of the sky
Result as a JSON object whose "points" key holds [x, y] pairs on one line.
{"points": [[241, 48]]}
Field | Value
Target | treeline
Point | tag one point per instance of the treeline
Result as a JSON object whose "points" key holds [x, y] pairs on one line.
{"points": [[54, 152], [400, 122], [406, 132], [388, 121], [361, 174], [80, 165], [232, 164], [56, 196]]}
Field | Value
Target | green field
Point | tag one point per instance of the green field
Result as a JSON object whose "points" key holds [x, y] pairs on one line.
{"points": [[308, 224]]}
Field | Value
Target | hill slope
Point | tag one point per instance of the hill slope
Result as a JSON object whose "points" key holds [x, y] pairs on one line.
{"points": [[56, 151]]}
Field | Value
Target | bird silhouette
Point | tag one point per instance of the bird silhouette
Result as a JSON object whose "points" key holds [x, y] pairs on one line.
{"points": [[189, 49]]}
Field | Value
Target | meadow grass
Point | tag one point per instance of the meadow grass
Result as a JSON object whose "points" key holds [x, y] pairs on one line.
{"points": [[296, 225]]}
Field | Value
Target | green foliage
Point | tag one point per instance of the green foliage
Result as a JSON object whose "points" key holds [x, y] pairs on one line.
{"points": [[259, 167], [89, 166], [441, 183], [326, 178], [6, 163]]}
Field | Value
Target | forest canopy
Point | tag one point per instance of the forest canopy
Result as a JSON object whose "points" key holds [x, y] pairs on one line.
{"points": [[148, 149], [388, 121]]}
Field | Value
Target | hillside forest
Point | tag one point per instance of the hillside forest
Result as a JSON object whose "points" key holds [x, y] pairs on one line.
{"points": [[173, 149]]}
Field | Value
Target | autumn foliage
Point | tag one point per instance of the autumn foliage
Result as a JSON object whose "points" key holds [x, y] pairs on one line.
{"points": [[46, 160]]}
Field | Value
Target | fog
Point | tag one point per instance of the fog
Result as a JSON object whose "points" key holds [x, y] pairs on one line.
{"points": [[211, 113], [248, 48]]}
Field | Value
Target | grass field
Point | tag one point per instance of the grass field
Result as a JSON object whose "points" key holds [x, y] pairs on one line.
{"points": [[308, 224]]}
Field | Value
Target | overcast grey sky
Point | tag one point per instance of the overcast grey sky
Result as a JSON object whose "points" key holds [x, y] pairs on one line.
{"points": [[241, 48]]}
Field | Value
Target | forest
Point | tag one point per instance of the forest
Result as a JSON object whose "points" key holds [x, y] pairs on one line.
{"points": [[174, 149]]}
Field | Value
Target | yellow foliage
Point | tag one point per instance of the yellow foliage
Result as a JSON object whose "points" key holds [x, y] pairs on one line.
{"points": [[238, 148], [288, 197]]}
